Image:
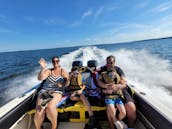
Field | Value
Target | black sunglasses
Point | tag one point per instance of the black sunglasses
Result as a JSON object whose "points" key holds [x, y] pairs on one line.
{"points": [[56, 61], [110, 62]]}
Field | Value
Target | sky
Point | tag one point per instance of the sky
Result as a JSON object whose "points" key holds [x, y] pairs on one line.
{"points": [[43, 24]]}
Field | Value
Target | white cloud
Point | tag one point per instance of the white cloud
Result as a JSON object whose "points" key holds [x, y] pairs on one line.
{"points": [[162, 7], [83, 17], [129, 32], [98, 13], [104, 10], [133, 31], [95, 14], [86, 14]]}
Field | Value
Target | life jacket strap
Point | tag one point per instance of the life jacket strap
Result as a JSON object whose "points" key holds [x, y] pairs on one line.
{"points": [[112, 96]]}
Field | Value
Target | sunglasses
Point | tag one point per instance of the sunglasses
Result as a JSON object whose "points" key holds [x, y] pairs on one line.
{"points": [[110, 63], [56, 61]]}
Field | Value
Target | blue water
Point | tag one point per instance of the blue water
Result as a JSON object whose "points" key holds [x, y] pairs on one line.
{"points": [[18, 70]]}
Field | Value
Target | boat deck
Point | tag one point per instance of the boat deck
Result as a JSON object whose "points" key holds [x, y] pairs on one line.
{"points": [[26, 122], [70, 125], [81, 125]]}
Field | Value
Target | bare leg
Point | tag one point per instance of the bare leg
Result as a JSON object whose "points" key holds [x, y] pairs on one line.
{"points": [[87, 104], [73, 97], [51, 111], [39, 114], [122, 111], [111, 112], [111, 123], [131, 113]]}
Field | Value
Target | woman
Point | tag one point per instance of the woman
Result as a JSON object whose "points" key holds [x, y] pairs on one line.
{"points": [[55, 79]]}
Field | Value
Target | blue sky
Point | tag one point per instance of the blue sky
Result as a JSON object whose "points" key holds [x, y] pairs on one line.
{"points": [[40, 24]]}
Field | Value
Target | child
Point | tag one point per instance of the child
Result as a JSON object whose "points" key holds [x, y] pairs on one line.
{"points": [[77, 87], [112, 99]]}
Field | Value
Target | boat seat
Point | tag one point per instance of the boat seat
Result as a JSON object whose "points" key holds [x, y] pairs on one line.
{"points": [[77, 111]]}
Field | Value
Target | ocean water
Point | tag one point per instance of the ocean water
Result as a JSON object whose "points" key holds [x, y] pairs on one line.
{"points": [[147, 65]]}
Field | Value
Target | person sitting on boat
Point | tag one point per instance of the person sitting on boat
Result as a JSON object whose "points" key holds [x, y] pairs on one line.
{"points": [[54, 81], [77, 87], [127, 99], [92, 89], [112, 98]]}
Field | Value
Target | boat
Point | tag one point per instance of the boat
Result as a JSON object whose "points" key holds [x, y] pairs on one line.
{"points": [[19, 113]]}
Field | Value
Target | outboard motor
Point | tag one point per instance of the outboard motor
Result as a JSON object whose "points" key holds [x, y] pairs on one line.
{"points": [[92, 63], [77, 63]]}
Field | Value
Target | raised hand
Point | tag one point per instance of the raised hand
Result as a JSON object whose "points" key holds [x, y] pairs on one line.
{"points": [[42, 63]]}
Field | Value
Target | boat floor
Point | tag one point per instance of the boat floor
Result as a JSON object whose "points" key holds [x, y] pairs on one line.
{"points": [[26, 122], [81, 125], [71, 125]]}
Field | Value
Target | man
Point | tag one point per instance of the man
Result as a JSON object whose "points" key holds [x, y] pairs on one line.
{"points": [[128, 101]]}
